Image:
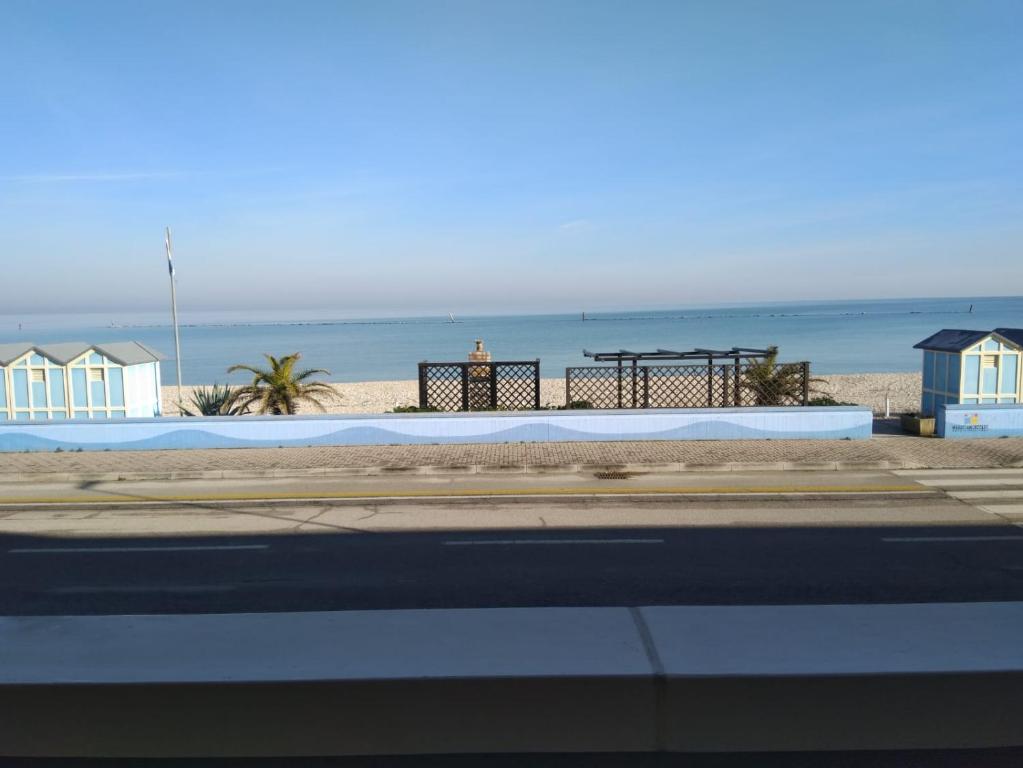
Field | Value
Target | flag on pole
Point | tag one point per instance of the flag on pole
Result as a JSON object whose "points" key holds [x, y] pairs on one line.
{"points": [[170, 261]]}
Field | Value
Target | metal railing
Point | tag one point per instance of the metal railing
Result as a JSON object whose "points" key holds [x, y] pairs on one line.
{"points": [[501, 386], [711, 385]]}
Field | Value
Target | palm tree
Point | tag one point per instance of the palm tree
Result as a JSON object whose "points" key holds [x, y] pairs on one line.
{"points": [[278, 389], [774, 384], [218, 400]]}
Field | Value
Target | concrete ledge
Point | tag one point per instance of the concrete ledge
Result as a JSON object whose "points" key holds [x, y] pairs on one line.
{"points": [[361, 682], [482, 715], [685, 678], [834, 677]]}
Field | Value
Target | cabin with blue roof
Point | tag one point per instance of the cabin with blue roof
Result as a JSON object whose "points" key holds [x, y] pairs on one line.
{"points": [[971, 368]]}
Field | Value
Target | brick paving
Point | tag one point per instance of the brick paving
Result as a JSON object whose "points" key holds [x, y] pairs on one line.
{"points": [[901, 451]]}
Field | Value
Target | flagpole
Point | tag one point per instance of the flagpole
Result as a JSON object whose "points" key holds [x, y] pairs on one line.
{"points": [[174, 314]]}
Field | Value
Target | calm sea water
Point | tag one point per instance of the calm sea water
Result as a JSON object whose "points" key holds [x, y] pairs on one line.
{"points": [[836, 337]]}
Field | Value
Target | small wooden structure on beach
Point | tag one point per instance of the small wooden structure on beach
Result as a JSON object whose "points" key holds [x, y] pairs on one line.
{"points": [[705, 378], [963, 367], [75, 380], [480, 384]]}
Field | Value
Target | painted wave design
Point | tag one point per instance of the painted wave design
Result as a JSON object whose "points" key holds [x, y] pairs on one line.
{"points": [[539, 432]]}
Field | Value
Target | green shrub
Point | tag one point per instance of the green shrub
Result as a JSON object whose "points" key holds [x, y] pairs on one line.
{"points": [[827, 400], [218, 400]]}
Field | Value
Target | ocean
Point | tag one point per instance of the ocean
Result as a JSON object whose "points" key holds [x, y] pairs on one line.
{"points": [[835, 336]]}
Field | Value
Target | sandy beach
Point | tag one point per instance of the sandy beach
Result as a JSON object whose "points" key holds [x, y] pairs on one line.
{"points": [[382, 396]]}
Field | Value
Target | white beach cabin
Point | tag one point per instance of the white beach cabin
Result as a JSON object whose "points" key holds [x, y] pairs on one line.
{"points": [[971, 368], [74, 380]]}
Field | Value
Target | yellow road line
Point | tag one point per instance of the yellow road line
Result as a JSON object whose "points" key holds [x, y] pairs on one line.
{"points": [[440, 493]]}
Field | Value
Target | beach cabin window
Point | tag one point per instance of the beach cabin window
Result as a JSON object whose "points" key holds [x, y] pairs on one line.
{"points": [[1010, 375], [116, 386], [97, 388], [38, 388], [989, 375], [57, 399], [19, 380], [971, 377], [79, 398], [3, 395]]}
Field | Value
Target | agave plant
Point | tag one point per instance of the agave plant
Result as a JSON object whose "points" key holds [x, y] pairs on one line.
{"points": [[218, 400], [279, 390], [774, 384]]}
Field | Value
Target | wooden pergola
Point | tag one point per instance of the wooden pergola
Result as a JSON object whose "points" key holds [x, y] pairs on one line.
{"points": [[709, 355]]}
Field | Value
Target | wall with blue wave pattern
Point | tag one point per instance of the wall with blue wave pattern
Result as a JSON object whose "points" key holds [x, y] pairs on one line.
{"points": [[424, 428], [965, 421]]}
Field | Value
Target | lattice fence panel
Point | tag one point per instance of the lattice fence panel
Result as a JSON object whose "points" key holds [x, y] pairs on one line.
{"points": [[516, 386], [684, 386], [598, 387], [444, 386], [506, 385]]}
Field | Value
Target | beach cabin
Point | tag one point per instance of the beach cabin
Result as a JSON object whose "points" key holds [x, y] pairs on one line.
{"points": [[78, 381], [971, 368]]}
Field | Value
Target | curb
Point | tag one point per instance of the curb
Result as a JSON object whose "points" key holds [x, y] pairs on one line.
{"points": [[442, 469]]}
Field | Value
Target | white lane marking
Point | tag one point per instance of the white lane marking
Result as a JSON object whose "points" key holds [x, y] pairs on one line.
{"points": [[950, 538], [1002, 509], [177, 548], [1014, 493], [526, 542], [967, 482], [182, 589], [957, 472]]}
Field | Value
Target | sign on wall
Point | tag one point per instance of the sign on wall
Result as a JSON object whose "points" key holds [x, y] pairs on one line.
{"points": [[965, 421]]}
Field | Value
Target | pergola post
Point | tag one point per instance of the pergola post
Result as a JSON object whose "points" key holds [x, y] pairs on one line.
{"points": [[619, 383], [710, 381]]}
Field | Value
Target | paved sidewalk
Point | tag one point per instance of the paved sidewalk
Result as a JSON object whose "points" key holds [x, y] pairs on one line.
{"points": [[881, 452]]}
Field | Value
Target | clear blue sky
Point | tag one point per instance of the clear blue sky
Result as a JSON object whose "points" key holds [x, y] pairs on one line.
{"points": [[402, 157]]}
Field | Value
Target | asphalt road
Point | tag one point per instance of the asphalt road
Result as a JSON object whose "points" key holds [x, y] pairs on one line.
{"points": [[881, 538], [502, 567], [982, 758]]}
